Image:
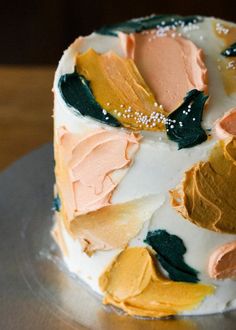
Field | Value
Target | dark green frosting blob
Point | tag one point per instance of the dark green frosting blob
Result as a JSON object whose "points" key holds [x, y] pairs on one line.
{"points": [[77, 94], [184, 124], [230, 51], [56, 206], [147, 23], [170, 253]]}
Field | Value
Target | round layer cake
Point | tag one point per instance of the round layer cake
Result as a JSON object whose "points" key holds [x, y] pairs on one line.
{"points": [[145, 154]]}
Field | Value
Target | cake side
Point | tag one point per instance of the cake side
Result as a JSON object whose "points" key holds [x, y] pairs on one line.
{"points": [[146, 165]]}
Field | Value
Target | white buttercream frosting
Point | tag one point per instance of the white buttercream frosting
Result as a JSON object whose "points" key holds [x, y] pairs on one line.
{"points": [[158, 167]]}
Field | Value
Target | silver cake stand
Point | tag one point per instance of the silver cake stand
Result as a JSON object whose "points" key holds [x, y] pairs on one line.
{"points": [[36, 292]]}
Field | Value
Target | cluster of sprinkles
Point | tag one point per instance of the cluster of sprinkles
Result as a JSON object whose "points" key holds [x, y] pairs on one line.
{"points": [[231, 65], [144, 121], [221, 29], [163, 30]]}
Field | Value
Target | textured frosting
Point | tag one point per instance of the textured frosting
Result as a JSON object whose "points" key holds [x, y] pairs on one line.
{"points": [[113, 226], [116, 85], [222, 262], [88, 168], [226, 126], [208, 192], [159, 167], [132, 283], [178, 62]]}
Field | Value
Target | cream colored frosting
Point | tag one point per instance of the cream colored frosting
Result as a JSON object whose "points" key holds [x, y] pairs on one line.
{"points": [[226, 126], [88, 168], [171, 66], [113, 226], [222, 262]]}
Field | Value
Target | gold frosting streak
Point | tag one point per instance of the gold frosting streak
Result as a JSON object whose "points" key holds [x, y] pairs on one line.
{"points": [[207, 194], [133, 284], [120, 89], [113, 226]]}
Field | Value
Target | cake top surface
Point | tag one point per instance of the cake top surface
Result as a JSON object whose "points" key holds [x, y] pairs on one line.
{"points": [[170, 77]]}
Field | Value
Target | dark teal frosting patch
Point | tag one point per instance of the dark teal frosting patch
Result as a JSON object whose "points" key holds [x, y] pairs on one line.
{"points": [[77, 94], [184, 124], [230, 51], [147, 23], [56, 206], [170, 253]]}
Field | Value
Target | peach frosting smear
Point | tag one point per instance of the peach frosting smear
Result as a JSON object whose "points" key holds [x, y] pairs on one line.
{"points": [[226, 126], [171, 66], [88, 169], [222, 262]]}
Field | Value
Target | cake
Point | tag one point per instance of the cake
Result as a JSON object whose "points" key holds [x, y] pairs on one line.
{"points": [[145, 164]]}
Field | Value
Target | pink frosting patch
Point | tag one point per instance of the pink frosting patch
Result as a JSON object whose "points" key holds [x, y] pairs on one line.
{"points": [[222, 263], [92, 167], [171, 66], [226, 126]]}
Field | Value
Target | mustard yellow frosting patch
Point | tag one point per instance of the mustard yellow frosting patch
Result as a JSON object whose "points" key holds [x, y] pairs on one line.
{"points": [[208, 192], [227, 66], [120, 89], [133, 284]]}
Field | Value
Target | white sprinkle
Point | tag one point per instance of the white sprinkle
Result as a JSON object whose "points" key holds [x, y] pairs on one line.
{"points": [[119, 114], [104, 111], [231, 65], [194, 119], [221, 29], [108, 103], [122, 105]]}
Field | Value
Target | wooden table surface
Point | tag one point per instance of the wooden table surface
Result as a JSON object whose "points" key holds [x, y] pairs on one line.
{"points": [[26, 103]]}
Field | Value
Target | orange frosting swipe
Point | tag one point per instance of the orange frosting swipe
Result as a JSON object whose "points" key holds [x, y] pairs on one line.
{"points": [[222, 263], [88, 169], [171, 66], [226, 126]]}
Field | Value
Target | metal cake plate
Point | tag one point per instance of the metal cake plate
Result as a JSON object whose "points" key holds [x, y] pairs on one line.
{"points": [[36, 292]]}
